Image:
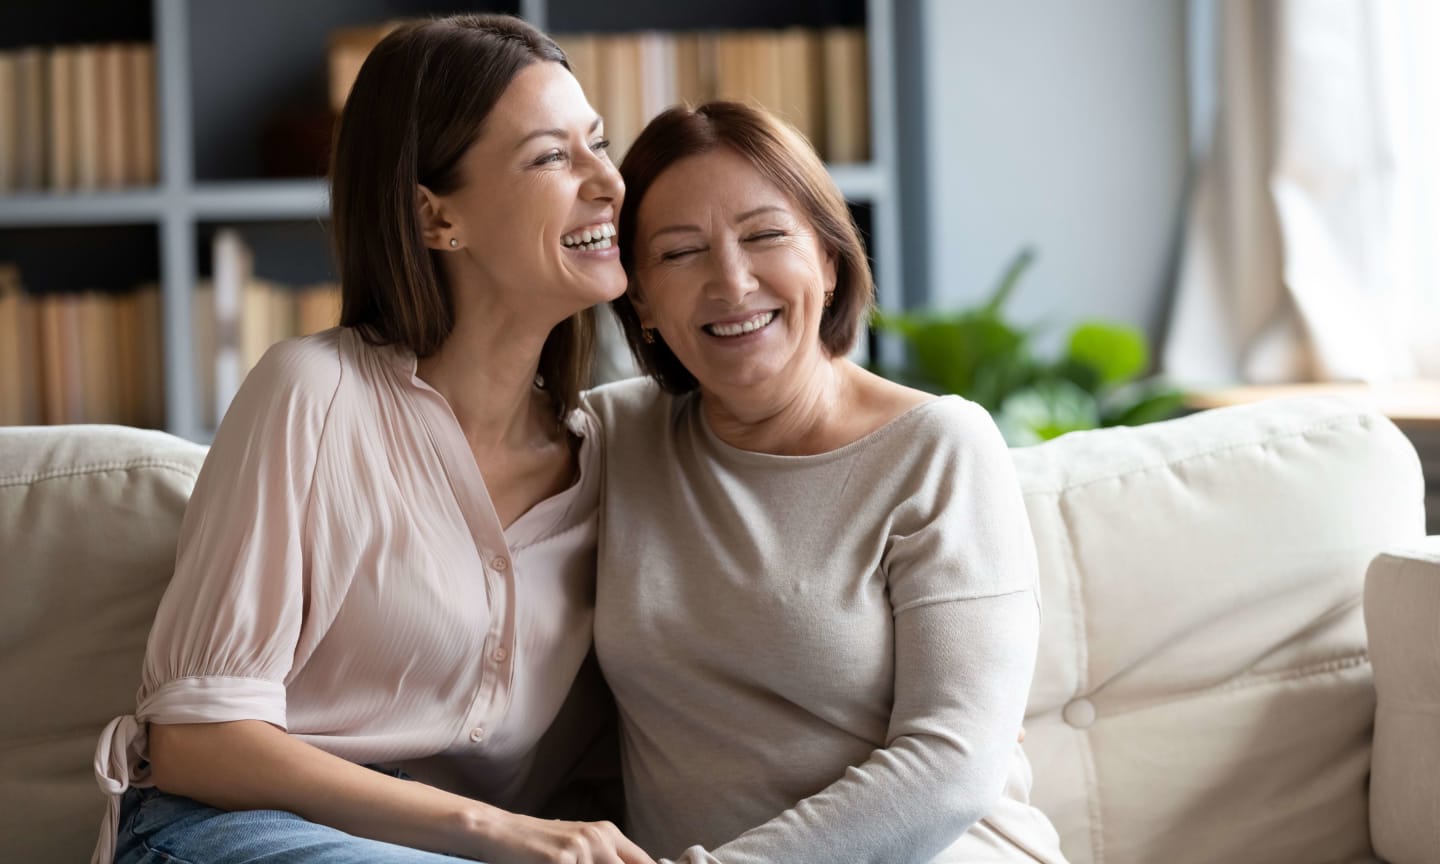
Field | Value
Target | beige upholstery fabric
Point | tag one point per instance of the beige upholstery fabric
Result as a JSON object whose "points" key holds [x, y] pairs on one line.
{"points": [[1203, 692], [1402, 613], [88, 521]]}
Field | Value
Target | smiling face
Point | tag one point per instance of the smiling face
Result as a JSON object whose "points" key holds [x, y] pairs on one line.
{"points": [[535, 210], [732, 274]]}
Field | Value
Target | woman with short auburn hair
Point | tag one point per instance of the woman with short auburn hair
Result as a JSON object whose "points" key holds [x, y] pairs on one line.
{"points": [[383, 591], [817, 603]]}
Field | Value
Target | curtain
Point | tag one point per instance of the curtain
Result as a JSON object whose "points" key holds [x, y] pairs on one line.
{"points": [[1312, 246]]}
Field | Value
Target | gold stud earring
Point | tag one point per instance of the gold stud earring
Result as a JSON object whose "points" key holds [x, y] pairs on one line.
{"points": [[648, 334], [829, 298], [454, 244]]}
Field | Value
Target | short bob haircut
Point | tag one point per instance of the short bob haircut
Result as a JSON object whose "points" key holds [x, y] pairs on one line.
{"points": [[418, 103], [783, 157]]}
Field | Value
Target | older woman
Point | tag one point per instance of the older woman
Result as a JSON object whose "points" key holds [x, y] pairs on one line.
{"points": [[388, 559], [817, 602]]}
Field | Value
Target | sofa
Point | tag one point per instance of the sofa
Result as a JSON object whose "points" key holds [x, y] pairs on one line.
{"points": [[1239, 658]]}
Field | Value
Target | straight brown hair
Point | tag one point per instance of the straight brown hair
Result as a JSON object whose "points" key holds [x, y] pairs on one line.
{"points": [[417, 105], [786, 159]]}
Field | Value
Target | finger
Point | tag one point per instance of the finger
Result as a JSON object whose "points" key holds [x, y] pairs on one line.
{"points": [[630, 853]]}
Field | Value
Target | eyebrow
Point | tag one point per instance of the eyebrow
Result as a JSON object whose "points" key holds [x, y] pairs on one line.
{"points": [[748, 214], [554, 133]]}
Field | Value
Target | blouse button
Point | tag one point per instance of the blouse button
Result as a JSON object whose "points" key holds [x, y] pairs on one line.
{"points": [[500, 654], [477, 734], [499, 563]]}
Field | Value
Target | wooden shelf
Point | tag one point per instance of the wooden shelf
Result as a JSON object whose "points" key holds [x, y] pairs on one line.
{"points": [[1408, 403]]}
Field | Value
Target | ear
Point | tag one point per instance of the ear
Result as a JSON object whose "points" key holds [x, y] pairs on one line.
{"points": [[434, 217], [637, 300], [829, 270]]}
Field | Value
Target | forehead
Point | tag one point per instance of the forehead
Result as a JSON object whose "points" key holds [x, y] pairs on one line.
{"points": [[715, 183], [540, 96]]}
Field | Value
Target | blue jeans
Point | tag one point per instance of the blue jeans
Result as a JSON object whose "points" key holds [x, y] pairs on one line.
{"points": [[159, 828]]}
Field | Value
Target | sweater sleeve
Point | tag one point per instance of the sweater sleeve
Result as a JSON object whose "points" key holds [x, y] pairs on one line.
{"points": [[225, 635], [961, 573]]}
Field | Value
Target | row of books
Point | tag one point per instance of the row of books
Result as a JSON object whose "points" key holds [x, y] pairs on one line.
{"points": [[77, 118], [80, 357], [816, 79]]}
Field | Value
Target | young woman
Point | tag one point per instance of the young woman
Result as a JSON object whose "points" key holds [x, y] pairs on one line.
{"points": [[387, 562]]}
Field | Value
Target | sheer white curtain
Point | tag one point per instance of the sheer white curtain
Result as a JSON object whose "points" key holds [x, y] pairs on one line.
{"points": [[1312, 249]]}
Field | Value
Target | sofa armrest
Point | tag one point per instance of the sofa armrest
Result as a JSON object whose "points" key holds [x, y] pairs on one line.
{"points": [[1402, 617]]}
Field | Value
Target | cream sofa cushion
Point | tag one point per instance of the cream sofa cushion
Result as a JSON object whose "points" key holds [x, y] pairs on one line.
{"points": [[88, 524], [1203, 692], [1402, 615]]}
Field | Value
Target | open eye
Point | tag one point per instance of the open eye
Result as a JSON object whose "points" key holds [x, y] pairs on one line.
{"points": [[550, 156], [601, 146]]}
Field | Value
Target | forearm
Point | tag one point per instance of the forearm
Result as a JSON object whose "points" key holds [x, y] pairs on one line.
{"points": [[250, 765]]}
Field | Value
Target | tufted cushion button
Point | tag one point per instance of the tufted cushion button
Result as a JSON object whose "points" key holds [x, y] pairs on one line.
{"points": [[1079, 713]]}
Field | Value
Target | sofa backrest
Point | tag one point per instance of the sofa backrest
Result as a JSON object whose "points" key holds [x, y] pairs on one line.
{"points": [[1203, 692], [88, 523]]}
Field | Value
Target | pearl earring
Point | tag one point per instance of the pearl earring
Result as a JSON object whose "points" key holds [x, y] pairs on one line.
{"points": [[454, 244]]}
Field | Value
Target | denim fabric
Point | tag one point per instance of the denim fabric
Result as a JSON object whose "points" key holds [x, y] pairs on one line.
{"points": [[159, 828]]}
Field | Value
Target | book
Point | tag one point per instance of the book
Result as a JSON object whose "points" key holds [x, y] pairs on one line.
{"points": [[763, 50], [115, 115], [96, 358], [233, 265], [800, 93], [349, 46], [62, 399], [317, 308], [202, 315], [19, 362], [9, 126], [85, 120], [127, 366], [847, 97], [60, 113], [619, 97], [149, 379], [694, 68], [141, 158], [31, 123]]}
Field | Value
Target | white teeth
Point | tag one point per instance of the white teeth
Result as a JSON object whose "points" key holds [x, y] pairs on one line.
{"points": [[595, 234], [740, 328]]}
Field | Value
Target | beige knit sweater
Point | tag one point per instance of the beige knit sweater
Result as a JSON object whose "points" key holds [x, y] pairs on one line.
{"points": [[820, 658]]}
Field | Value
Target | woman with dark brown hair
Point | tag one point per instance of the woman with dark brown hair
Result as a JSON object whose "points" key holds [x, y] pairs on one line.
{"points": [[817, 603], [384, 583]]}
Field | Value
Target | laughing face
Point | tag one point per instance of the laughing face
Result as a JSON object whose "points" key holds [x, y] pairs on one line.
{"points": [[534, 216], [732, 275]]}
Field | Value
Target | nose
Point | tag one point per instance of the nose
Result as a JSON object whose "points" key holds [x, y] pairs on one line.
{"points": [[731, 278], [604, 182]]}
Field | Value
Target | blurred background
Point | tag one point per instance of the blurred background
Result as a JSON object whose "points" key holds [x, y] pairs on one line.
{"points": [[1079, 212]]}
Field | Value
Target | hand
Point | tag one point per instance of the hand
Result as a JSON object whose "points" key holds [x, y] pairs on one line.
{"points": [[526, 840]]}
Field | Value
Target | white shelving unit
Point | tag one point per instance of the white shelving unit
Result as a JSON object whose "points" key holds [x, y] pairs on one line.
{"points": [[186, 198]]}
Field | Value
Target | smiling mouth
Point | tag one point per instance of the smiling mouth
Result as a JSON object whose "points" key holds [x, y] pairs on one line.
{"points": [[595, 237], [731, 329]]}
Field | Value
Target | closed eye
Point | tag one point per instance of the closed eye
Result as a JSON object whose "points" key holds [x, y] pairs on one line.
{"points": [[677, 254], [766, 235]]}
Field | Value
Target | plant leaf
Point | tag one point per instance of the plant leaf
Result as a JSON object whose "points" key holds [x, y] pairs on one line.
{"points": [[1048, 410], [1116, 351], [1011, 277]]}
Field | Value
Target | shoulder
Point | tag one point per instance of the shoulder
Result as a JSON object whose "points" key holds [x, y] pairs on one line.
{"points": [[294, 383], [949, 428], [625, 403]]}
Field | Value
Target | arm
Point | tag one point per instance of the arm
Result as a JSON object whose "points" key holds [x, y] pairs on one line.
{"points": [[961, 571]]}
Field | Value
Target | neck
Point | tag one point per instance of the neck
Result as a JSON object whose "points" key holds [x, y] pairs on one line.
{"points": [[795, 420], [486, 371]]}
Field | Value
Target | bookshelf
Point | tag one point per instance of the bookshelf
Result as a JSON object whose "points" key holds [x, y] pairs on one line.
{"points": [[210, 119]]}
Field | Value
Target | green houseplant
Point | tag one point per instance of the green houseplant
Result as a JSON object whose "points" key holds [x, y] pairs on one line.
{"points": [[978, 354]]}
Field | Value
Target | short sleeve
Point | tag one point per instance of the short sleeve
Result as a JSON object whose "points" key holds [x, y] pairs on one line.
{"points": [[965, 533], [225, 635]]}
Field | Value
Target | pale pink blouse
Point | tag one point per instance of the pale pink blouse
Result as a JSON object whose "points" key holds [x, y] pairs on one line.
{"points": [[342, 574]]}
